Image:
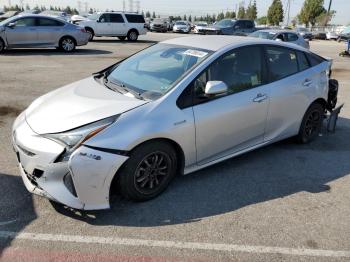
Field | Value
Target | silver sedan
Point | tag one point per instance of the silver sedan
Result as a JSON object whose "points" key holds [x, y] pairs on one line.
{"points": [[173, 108], [283, 36], [41, 31]]}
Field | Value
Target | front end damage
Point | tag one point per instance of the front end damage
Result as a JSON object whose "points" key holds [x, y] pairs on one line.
{"points": [[82, 182]]}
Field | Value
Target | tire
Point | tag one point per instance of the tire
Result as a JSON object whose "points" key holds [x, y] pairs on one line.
{"points": [[67, 44], [2, 46], [122, 38], [148, 171], [91, 32], [133, 35], [311, 124]]}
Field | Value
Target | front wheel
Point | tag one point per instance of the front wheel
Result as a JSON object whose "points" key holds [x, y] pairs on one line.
{"points": [[2, 46], [148, 171], [67, 44], [311, 124]]}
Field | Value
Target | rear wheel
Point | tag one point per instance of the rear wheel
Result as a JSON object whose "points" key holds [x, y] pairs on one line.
{"points": [[67, 44], [311, 124], [122, 38], [133, 36], [148, 171]]}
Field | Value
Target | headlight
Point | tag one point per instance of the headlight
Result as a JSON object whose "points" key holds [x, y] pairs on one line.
{"points": [[74, 138]]}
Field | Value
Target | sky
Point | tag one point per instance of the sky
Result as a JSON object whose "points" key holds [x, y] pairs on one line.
{"points": [[193, 7]]}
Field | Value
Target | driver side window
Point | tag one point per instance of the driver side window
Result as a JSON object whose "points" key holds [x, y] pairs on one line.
{"points": [[240, 69]]}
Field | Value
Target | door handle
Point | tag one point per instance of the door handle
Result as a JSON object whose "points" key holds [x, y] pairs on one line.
{"points": [[307, 82], [260, 98]]}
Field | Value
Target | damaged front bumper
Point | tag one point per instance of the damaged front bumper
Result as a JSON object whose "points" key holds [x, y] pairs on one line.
{"points": [[81, 183]]}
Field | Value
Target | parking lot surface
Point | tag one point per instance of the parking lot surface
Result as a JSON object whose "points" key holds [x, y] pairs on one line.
{"points": [[284, 202]]}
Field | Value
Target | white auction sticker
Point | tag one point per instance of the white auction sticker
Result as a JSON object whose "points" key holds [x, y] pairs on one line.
{"points": [[195, 53]]}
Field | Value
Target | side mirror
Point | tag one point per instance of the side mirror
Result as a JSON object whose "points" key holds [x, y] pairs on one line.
{"points": [[214, 88], [11, 25]]}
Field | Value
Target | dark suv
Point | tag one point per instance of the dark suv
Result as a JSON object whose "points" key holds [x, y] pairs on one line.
{"points": [[232, 27]]}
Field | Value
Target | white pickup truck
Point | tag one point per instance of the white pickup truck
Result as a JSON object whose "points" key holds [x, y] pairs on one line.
{"points": [[119, 24]]}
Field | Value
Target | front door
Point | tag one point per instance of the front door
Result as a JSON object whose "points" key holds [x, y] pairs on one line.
{"points": [[23, 33], [234, 121]]}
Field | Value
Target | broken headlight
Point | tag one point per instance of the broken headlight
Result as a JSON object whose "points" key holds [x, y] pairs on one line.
{"points": [[75, 138]]}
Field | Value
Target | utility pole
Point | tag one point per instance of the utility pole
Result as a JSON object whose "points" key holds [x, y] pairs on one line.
{"points": [[328, 12], [79, 6], [288, 12], [124, 6], [131, 5]]}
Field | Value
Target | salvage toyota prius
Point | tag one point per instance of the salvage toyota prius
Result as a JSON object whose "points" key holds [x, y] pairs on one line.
{"points": [[173, 108]]}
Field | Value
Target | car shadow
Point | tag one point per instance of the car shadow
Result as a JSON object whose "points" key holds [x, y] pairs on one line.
{"points": [[53, 52], [273, 172], [116, 40], [16, 207]]}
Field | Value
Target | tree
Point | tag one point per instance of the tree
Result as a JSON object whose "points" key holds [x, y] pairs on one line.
{"points": [[252, 11], [220, 16], [190, 18], [241, 12], [154, 14], [275, 13], [262, 20], [27, 7], [148, 14], [310, 11]]}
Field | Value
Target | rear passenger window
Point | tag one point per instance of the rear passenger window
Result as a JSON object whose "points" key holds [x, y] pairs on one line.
{"points": [[282, 62], [292, 37], [49, 22], [116, 18], [302, 61], [135, 19], [314, 59]]}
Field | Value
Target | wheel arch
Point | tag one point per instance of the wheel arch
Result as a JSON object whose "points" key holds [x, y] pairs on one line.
{"points": [[90, 28], [320, 101], [134, 29], [179, 154]]}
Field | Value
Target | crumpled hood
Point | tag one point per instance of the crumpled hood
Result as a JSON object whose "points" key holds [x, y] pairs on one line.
{"points": [[77, 104]]}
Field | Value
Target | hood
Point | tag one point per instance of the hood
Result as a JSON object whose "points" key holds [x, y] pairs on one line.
{"points": [[181, 26], [77, 104]]}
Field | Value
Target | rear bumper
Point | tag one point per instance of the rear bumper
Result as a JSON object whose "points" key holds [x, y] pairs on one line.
{"points": [[81, 183], [82, 39]]}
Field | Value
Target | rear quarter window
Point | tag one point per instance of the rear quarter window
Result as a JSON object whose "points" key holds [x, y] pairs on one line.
{"points": [[314, 59], [135, 19]]}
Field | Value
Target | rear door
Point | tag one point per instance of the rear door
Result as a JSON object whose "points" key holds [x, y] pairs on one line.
{"points": [[24, 33], [234, 121], [49, 31], [118, 25], [292, 83]]}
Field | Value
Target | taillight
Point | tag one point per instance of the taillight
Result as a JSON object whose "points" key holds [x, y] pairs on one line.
{"points": [[83, 30]]}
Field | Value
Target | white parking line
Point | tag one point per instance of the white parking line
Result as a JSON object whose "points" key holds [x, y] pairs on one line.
{"points": [[175, 244]]}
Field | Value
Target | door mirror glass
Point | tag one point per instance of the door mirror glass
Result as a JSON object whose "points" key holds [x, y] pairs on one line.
{"points": [[12, 25], [214, 88]]}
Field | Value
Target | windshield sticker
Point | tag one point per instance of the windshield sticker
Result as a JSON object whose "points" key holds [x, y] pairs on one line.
{"points": [[195, 53]]}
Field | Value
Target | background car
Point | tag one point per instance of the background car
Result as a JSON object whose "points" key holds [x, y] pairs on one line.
{"points": [[8, 15], [282, 35], [123, 25], [159, 25], [229, 95], [199, 27], [241, 27], [41, 31], [344, 35], [304, 32], [181, 27], [331, 35], [320, 35]]}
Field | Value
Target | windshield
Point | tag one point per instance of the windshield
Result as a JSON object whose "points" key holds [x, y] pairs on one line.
{"points": [[159, 21], [225, 23], [263, 34], [93, 16], [8, 20], [156, 69], [180, 23]]}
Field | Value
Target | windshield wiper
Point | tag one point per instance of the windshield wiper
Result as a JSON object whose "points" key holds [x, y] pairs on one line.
{"points": [[121, 88]]}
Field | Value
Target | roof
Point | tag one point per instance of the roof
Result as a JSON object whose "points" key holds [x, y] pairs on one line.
{"points": [[213, 42]]}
